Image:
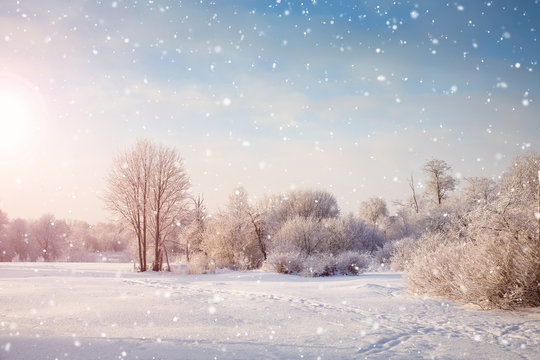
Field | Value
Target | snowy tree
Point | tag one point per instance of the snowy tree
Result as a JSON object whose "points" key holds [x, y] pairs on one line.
{"points": [[111, 236], [148, 188], [231, 238], [169, 187], [257, 217], [479, 190], [315, 204], [374, 211], [50, 235], [439, 181], [305, 235], [6, 247], [522, 177], [348, 233], [17, 236]]}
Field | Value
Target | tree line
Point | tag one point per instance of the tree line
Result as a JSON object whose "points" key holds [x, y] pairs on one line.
{"points": [[51, 239]]}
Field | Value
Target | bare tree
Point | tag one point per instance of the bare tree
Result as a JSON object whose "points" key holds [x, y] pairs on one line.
{"points": [[169, 188], [252, 219], [439, 182], [257, 219], [522, 177], [147, 188], [128, 191], [196, 228], [480, 190], [414, 200]]}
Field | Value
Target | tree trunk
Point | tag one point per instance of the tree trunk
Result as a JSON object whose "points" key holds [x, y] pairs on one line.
{"points": [[157, 253], [411, 185], [140, 251], [167, 258], [143, 265]]}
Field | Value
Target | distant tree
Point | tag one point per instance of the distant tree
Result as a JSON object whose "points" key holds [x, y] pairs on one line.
{"points": [[479, 190], [148, 188], [374, 211], [111, 237], [439, 181], [6, 248], [4, 220], [50, 235], [17, 235]]}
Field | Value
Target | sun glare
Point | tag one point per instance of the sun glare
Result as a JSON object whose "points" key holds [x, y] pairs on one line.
{"points": [[13, 119]]}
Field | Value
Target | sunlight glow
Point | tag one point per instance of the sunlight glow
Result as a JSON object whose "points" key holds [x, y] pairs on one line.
{"points": [[14, 118]]}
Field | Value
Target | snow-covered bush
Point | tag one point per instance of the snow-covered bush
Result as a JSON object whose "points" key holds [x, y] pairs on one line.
{"points": [[306, 236], [290, 262], [352, 263], [403, 251], [492, 271], [383, 256], [201, 264], [488, 255], [346, 263], [349, 233], [319, 265]]}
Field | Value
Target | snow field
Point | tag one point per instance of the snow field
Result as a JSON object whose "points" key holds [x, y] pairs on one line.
{"points": [[105, 311]]}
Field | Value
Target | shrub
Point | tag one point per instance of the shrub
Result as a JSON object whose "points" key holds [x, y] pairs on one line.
{"points": [[383, 256], [301, 235], [490, 253], [492, 271], [319, 265], [285, 262], [402, 252], [201, 264], [352, 263], [346, 263], [349, 233]]}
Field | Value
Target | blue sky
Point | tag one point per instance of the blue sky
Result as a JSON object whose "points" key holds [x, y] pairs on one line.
{"points": [[348, 96]]}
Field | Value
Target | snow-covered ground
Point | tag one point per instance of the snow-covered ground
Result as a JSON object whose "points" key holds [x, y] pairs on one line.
{"points": [[105, 311]]}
